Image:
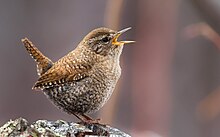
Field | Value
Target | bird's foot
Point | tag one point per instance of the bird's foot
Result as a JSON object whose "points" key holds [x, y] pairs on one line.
{"points": [[87, 119], [91, 121], [93, 124]]}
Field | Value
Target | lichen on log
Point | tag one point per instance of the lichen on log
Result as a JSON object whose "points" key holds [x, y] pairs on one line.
{"points": [[44, 128]]}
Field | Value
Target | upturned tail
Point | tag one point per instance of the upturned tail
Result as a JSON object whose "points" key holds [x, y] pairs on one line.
{"points": [[43, 63]]}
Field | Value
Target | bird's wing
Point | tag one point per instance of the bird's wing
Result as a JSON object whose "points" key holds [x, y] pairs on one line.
{"points": [[63, 71]]}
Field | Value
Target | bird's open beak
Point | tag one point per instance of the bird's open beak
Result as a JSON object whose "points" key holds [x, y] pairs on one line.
{"points": [[120, 43]]}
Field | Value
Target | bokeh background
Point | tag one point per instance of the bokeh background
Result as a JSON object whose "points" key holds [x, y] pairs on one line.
{"points": [[170, 84]]}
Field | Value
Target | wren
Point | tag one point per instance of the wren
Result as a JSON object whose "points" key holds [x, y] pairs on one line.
{"points": [[82, 81]]}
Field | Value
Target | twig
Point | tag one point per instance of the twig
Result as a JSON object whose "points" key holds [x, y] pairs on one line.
{"points": [[202, 29]]}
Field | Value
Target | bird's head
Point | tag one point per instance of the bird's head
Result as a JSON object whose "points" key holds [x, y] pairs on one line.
{"points": [[105, 42]]}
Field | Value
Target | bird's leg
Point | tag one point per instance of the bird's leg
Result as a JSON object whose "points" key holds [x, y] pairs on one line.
{"points": [[86, 119], [90, 119], [92, 124]]}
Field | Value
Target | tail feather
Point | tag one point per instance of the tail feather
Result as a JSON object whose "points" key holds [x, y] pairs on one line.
{"points": [[43, 63]]}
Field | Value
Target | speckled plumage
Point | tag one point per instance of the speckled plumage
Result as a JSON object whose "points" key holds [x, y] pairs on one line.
{"points": [[82, 81]]}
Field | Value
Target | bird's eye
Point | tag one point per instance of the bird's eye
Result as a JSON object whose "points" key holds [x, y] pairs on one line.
{"points": [[105, 39]]}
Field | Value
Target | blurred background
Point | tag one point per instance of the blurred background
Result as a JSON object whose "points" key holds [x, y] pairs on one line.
{"points": [[170, 84]]}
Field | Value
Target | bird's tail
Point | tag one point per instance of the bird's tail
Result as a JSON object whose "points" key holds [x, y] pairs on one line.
{"points": [[43, 63]]}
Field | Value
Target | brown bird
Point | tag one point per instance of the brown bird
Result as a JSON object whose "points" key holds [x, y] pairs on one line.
{"points": [[82, 81]]}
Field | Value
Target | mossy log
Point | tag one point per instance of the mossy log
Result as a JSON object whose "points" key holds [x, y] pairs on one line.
{"points": [[44, 128]]}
